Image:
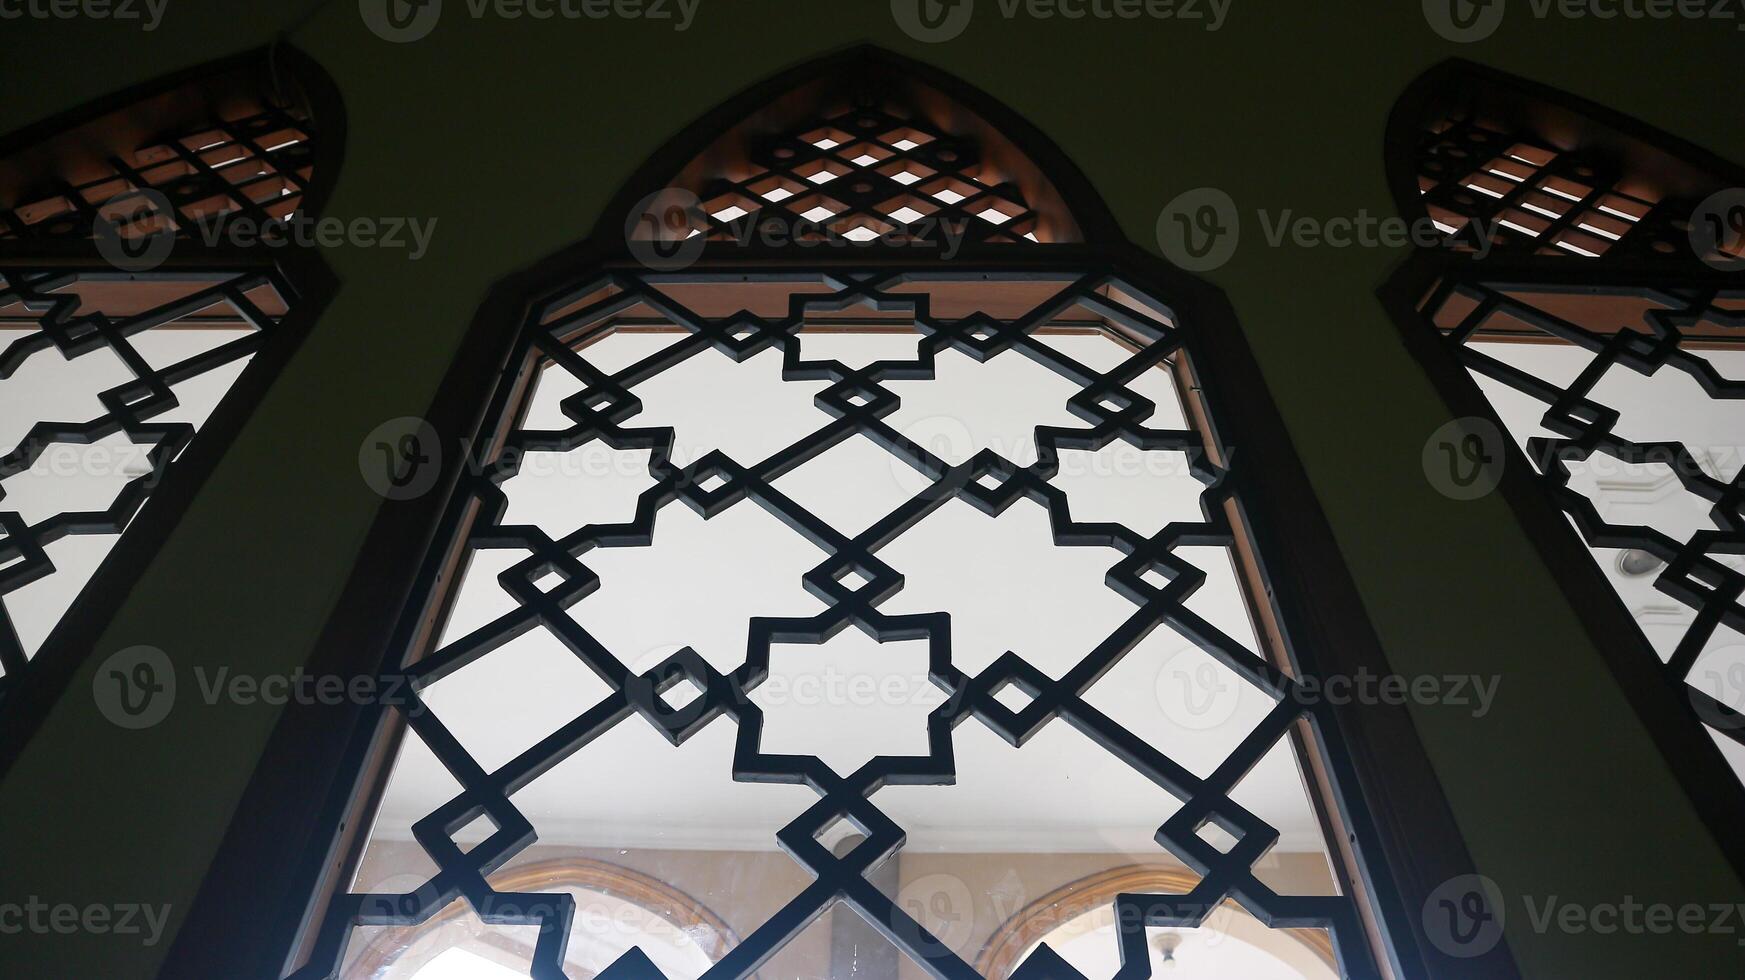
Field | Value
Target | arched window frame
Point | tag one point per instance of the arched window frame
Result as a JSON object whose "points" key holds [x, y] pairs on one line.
{"points": [[1655, 251], [1396, 834], [134, 137]]}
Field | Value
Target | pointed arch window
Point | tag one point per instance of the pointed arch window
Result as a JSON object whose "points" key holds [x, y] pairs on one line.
{"points": [[1588, 322], [126, 334], [869, 577]]}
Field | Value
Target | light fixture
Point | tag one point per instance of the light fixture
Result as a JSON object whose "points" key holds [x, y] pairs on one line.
{"points": [[1636, 563], [1166, 944]]}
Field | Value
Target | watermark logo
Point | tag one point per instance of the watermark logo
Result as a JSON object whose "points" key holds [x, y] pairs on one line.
{"points": [[1464, 21], [134, 231], [662, 230], [1198, 229], [136, 687], [411, 235], [1196, 692], [1463, 459], [1717, 230], [1463, 917], [942, 905], [400, 21], [932, 21], [400, 458], [1720, 675]]}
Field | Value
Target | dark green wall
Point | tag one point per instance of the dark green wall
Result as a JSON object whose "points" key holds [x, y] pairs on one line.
{"points": [[512, 134]]}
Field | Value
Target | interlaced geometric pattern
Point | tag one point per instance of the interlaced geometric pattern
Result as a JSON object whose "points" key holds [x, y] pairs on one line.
{"points": [[484, 818], [104, 379], [1532, 198], [1630, 401], [876, 170], [255, 165]]}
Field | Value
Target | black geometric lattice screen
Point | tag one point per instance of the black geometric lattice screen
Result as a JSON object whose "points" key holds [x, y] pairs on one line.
{"points": [[864, 174], [848, 162], [1605, 324], [106, 374], [255, 165], [574, 700], [104, 378], [1629, 399], [1476, 176]]}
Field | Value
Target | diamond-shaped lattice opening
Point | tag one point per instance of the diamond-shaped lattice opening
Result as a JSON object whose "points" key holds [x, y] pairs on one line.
{"points": [[1216, 835], [499, 705], [474, 832], [840, 835], [1169, 692], [681, 694], [1013, 697], [878, 480]]}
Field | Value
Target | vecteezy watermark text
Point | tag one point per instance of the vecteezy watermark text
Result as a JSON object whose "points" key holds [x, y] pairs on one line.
{"points": [[1464, 917], [1200, 229], [1197, 693], [1466, 21], [137, 688], [136, 231], [933, 21], [38, 917], [411, 234], [149, 13], [401, 21]]}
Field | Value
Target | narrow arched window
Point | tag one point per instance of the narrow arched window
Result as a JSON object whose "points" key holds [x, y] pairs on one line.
{"points": [[865, 541], [134, 334], [1588, 304]]}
